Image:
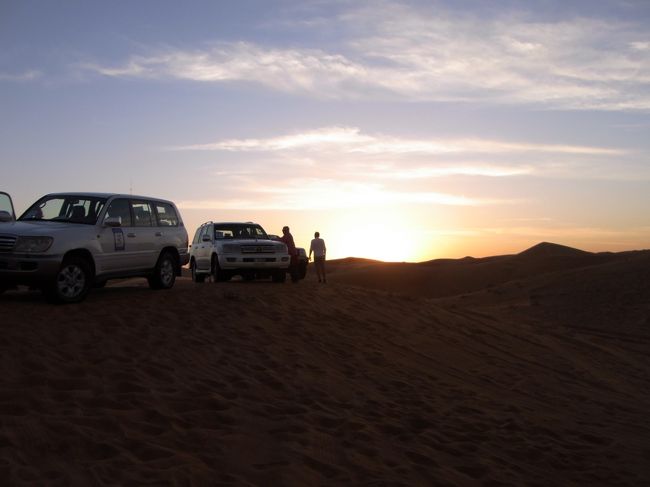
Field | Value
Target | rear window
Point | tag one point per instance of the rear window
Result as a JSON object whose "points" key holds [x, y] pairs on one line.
{"points": [[166, 215]]}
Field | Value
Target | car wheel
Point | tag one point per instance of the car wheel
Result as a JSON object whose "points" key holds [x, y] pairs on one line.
{"points": [[303, 270], [164, 274], [196, 277], [279, 276], [72, 282], [218, 275], [294, 271]]}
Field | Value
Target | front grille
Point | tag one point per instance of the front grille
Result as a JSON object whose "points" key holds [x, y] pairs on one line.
{"points": [[7, 243], [258, 249]]}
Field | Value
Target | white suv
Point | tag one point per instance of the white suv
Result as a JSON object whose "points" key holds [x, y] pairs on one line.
{"points": [[66, 243], [224, 250]]}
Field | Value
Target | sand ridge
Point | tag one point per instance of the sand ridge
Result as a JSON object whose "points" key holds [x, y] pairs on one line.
{"points": [[540, 380]]}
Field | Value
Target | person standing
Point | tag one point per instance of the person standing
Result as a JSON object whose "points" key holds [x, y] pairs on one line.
{"points": [[287, 239], [318, 248]]}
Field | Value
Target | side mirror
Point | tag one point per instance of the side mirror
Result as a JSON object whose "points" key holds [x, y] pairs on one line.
{"points": [[113, 221], [206, 238], [6, 217]]}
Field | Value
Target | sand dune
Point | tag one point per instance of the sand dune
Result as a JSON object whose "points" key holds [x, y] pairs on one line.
{"points": [[535, 373], [449, 277]]}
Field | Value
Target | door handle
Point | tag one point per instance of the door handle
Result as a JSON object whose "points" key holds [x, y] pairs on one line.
{"points": [[130, 235]]}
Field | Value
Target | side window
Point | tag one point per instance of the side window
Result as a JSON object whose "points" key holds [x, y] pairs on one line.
{"points": [[197, 235], [205, 231], [6, 204], [121, 209], [166, 215], [142, 214]]}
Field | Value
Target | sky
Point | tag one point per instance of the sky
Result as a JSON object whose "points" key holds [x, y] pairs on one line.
{"points": [[400, 130]]}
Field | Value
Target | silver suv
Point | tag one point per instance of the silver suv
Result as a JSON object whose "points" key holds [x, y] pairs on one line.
{"points": [[66, 243], [224, 250]]}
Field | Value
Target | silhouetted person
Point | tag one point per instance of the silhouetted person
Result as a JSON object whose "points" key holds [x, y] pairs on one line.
{"points": [[318, 248], [287, 238]]}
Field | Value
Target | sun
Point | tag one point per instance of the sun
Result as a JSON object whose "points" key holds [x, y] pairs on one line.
{"points": [[387, 237]]}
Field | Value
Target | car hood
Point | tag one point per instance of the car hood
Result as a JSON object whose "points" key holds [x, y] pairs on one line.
{"points": [[39, 228]]}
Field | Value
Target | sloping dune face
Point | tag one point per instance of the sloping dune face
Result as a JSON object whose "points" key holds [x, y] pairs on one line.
{"points": [[541, 380], [449, 277]]}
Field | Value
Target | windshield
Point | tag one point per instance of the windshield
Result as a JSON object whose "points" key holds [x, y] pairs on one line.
{"points": [[65, 208], [239, 230]]}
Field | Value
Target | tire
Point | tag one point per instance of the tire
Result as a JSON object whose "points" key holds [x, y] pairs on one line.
{"points": [[164, 274], [72, 282], [196, 277], [302, 270], [218, 275], [294, 271], [279, 276]]}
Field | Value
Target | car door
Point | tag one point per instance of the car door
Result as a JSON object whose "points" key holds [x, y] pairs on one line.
{"points": [[118, 249], [6, 206], [205, 247], [145, 235]]}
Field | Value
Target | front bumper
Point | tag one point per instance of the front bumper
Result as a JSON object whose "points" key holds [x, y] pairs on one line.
{"points": [[28, 268], [253, 262]]}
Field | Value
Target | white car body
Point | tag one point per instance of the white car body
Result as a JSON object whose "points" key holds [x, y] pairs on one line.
{"points": [[225, 249], [85, 227]]}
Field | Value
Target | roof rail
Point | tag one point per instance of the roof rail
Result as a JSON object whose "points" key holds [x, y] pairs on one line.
{"points": [[206, 223]]}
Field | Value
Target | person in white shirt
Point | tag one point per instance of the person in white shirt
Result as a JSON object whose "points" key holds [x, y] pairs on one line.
{"points": [[318, 248]]}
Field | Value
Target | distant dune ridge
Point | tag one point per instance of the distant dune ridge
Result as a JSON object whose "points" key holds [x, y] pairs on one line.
{"points": [[528, 369], [449, 277]]}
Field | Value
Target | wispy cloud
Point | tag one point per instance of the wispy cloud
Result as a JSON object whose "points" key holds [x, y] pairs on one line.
{"points": [[564, 233], [420, 54], [331, 194], [18, 77], [291, 70], [351, 153], [350, 140]]}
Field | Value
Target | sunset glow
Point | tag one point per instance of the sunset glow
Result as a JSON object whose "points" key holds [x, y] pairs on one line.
{"points": [[402, 131]]}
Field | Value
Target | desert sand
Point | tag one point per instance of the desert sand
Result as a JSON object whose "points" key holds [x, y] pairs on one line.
{"points": [[531, 369]]}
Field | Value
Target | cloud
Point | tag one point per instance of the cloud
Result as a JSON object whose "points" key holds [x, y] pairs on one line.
{"points": [[458, 170], [640, 45], [330, 194], [349, 153], [290, 70], [350, 140], [411, 53], [18, 77], [565, 233]]}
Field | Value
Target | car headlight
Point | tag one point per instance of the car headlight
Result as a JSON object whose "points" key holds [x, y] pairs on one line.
{"points": [[33, 244], [230, 249]]}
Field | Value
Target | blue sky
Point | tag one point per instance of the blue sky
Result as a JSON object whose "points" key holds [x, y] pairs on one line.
{"points": [[439, 129]]}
